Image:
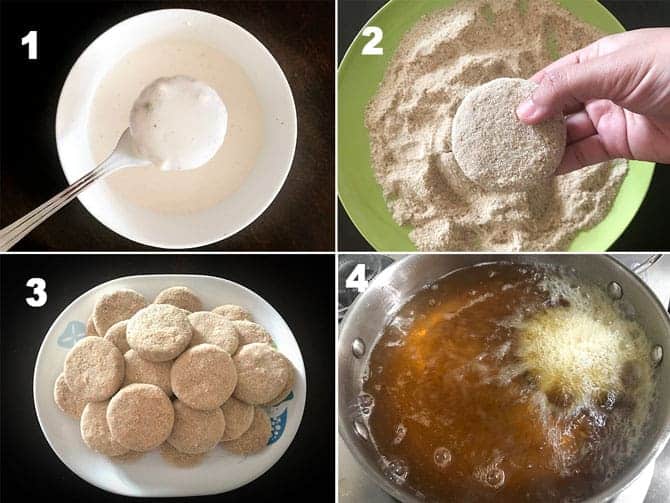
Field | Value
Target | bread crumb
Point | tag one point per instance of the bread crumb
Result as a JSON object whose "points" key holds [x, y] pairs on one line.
{"points": [[438, 61]]}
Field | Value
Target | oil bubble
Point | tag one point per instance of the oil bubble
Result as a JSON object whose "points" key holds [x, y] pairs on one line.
{"points": [[442, 457], [396, 471], [365, 403], [400, 432], [495, 477]]}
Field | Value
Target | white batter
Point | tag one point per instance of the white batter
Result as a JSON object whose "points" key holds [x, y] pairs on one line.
{"points": [[185, 191], [178, 123]]}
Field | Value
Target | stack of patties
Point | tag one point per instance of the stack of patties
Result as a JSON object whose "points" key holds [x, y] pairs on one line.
{"points": [[171, 372]]}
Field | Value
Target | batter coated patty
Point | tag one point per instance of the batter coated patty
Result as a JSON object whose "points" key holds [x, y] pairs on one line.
{"points": [[494, 148], [94, 369], [232, 312], [203, 377], [262, 373], [214, 329], [140, 417], [255, 438], [196, 431], [181, 297], [116, 306], [159, 332], [95, 430]]}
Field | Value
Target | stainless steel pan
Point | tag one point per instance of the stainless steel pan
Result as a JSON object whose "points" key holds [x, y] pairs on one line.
{"points": [[369, 314]]}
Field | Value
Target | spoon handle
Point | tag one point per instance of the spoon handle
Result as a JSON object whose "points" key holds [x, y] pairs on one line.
{"points": [[123, 156], [16, 231]]}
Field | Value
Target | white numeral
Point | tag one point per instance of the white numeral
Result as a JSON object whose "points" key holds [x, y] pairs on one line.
{"points": [[31, 41], [39, 287], [357, 279], [371, 49]]}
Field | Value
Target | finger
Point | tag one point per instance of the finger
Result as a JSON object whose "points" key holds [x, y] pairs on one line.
{"points": [[579, 126], [531, 113], [583, 153], [603, 47], [611, 77], [569, 59]]}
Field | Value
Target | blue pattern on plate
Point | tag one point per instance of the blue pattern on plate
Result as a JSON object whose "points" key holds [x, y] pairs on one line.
{"points": [[74, 331], [278, 425]]}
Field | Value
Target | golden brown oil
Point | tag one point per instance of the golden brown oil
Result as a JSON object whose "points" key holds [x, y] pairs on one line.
{"points": [[458, 411]]}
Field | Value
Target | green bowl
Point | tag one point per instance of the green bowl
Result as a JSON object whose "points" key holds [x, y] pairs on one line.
{"points": [[358, 79]]}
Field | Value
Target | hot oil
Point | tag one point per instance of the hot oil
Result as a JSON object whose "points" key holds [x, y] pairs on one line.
{"points": [[460, 410]]}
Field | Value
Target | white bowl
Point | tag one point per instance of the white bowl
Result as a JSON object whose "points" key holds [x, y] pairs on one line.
{"points": [[264, 180], [151, 475]]}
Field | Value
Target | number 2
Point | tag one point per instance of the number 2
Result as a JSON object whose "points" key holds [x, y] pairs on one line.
{"points": [[31, 41], [39, 287], [371, 49]]}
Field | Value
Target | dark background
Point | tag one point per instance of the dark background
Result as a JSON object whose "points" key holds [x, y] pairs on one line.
{"points": [[648, 231], [300, 287], [299, 34]]}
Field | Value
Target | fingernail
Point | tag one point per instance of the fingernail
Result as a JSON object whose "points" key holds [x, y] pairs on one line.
{"points": [[525, 110]]}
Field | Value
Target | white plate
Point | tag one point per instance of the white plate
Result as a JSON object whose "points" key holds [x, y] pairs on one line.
{"points": [[151, 475], [264, 180]]}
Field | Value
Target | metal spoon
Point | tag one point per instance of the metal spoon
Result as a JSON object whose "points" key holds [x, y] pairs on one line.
{"points": [[123, 156]]}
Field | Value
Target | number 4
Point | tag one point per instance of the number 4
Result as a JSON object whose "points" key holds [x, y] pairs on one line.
{"points": [[371, 49], [31, 41], [357, 279]]}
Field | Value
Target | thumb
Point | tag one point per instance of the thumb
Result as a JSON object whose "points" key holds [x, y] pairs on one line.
{"points": [[565, 89]]}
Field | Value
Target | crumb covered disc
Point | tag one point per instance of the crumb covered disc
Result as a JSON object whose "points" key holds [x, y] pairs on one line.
{"points": [[255, 438], [180, 459], [238, 416], [129, 457], [90, 328], [140, 417], [196, 431], [116, 306], [159, 332], [139, 370], [67, 401], [203, 377], [95, 430], [214, 329], [181, 297], [249, 332], [232, 312], [94, 369], [494, 148], [262, 373], [117, 336], [287, 389]]}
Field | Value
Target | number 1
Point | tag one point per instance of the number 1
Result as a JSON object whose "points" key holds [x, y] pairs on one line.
{"points": [[31, 41]]}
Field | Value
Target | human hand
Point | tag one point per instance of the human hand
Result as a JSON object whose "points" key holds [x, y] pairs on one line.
{"points": [[616, 95]]}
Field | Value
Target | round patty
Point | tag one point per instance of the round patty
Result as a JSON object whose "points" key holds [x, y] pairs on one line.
{"points": [[159, 332], [203, 377], [94, 369], [140, 417], [494, 148]]}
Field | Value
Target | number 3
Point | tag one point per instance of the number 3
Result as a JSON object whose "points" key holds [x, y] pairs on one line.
{"points": [[39, 292], [371, 49]]}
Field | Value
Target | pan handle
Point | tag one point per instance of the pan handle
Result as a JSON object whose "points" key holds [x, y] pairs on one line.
{"points": [[644, 266]]}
